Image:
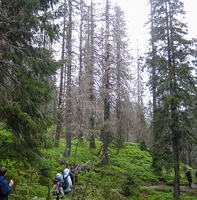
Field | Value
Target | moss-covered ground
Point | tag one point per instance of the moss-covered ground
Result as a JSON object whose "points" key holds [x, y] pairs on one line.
{"points": [[128, 176]]}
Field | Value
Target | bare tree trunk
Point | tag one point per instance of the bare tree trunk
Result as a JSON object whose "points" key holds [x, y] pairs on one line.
{"points": [[153, 65], [106, 86], [80, 104], [91, 82], [118, 101], [118, 108], [69, 78], [142, 134], [60, 114]]}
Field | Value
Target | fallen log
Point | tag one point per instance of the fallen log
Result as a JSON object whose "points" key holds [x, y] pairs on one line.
{"points": [[78, 167]]}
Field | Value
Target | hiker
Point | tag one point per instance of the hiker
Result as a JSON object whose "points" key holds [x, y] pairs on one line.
{"points": [[196, 176], [57, 189], [189, 177], [5, 188], [67, 181]]}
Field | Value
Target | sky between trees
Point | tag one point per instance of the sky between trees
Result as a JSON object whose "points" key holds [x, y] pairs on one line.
{"points": [[137, 12], [136, 15]]}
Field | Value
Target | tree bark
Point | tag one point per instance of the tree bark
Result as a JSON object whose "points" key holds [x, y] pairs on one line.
{"points": [[91, 81], [60, 114], [106, 85], [173, 105], [69, 78], [80, 92]]}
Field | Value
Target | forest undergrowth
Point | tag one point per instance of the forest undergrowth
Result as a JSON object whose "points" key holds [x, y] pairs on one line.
{"points": [[129, 175]]}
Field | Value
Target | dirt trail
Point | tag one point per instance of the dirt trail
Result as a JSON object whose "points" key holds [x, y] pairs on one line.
{"points": [[182, 188]]}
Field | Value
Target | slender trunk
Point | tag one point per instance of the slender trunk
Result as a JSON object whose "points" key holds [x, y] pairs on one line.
{"points": [[68, 91], [80, 105], [60, 114], [173, 105], [118, 101], [91, 88], [156, 167], [139, 112], [153, 65], [105, 131], [176, 167]]}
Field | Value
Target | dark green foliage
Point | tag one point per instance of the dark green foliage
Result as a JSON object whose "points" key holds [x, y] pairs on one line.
{"points": [[26, 70], [129, 175], [143, 146], [131, 186], [5, 135], [156, 193], [172, 84]]}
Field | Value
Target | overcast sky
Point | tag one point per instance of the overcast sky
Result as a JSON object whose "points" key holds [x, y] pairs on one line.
{"points": [[137, 12]]}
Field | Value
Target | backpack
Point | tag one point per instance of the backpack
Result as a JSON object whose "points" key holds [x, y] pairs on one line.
{"points": [[187, 173], [72, 176], [65, 183], [56, 188]]}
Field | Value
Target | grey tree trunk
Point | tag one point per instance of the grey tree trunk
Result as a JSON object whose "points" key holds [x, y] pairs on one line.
{"points": [[69, 79], [60, 114], [106, 93], [91, 80], [80, 92]]}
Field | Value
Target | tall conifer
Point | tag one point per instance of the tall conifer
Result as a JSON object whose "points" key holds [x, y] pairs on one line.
{"points": [[172, 82], [26, 67]]}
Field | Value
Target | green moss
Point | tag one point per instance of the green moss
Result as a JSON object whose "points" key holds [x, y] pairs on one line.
{"points": [[129, 175]]}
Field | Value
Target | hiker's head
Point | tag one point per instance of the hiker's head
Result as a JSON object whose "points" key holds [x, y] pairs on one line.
{"points": [[3, 171], [66, 171], [58, 176]]}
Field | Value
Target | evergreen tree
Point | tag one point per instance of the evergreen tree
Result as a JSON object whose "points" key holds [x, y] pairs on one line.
{"points": [[172, 82], [26, 67]]}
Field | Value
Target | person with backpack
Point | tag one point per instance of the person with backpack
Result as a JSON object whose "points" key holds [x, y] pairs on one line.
{"points": [[57, 189], [67, 185], [196, 176], [5, 187], [189, 177]]}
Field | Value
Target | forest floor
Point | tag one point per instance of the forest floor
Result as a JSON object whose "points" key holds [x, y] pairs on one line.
{"points": [[182, 188]]}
